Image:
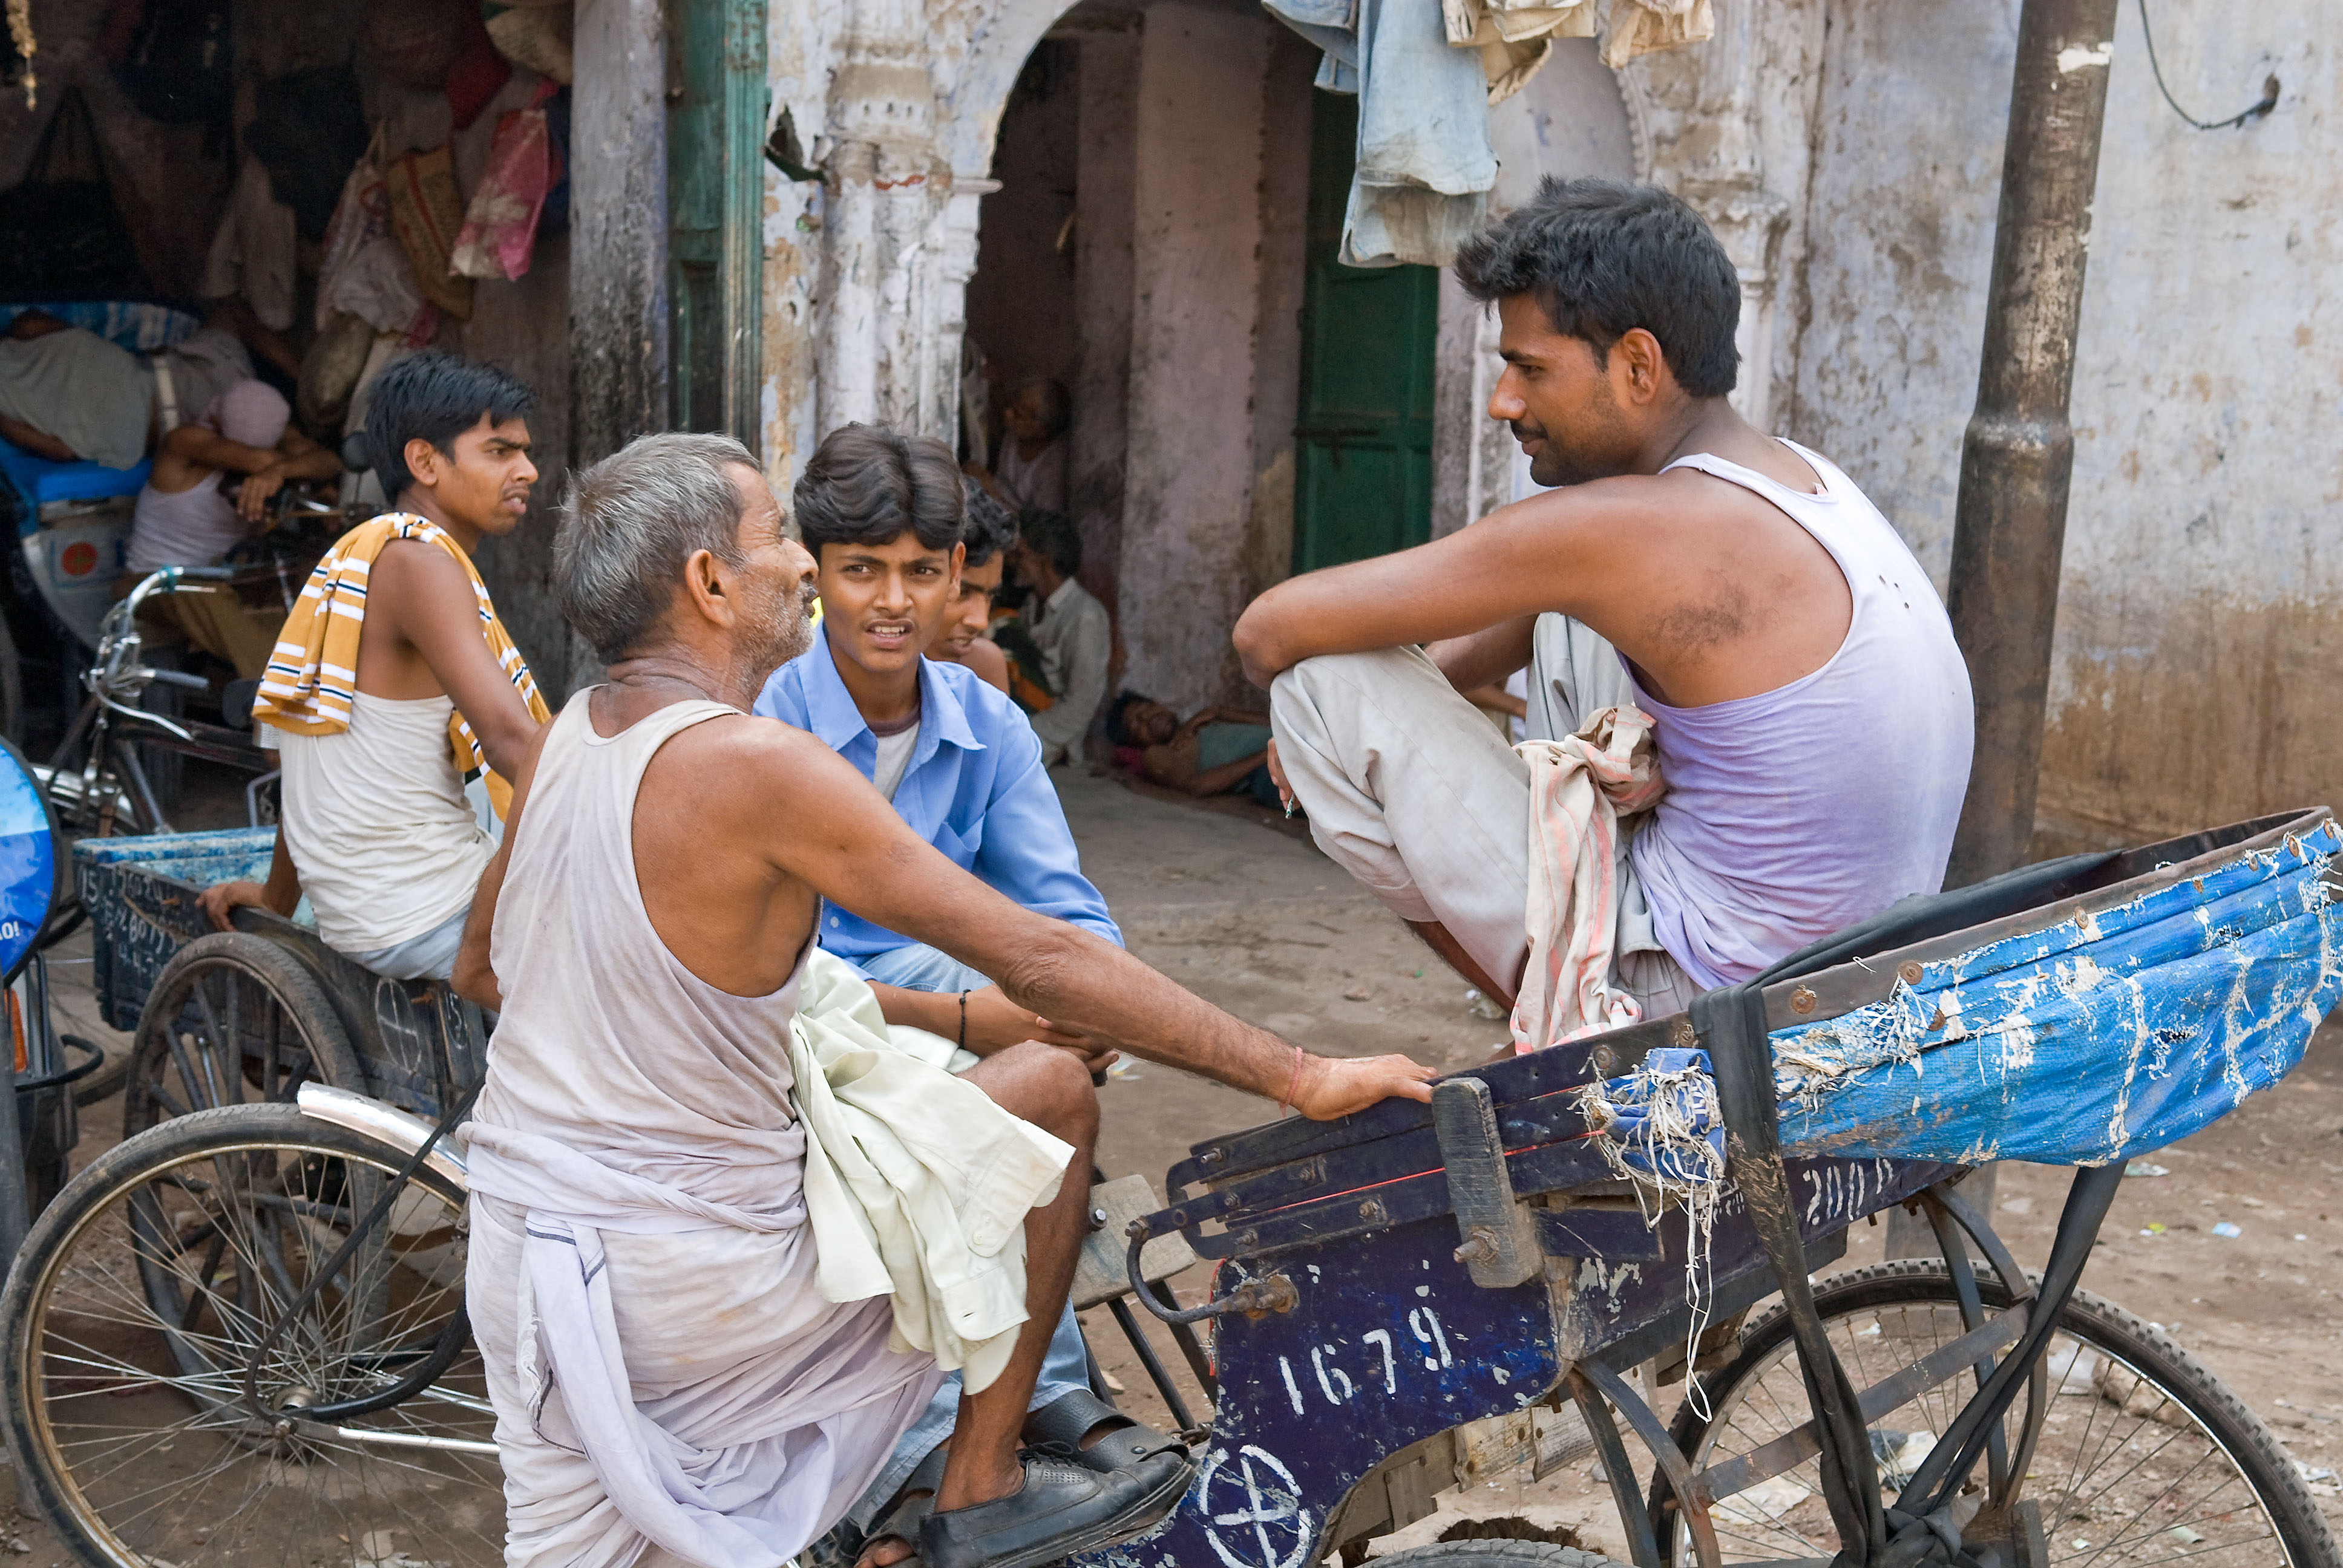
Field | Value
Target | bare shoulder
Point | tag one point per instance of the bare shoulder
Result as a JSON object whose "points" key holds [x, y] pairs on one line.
{"points": [[418, 567], [751, 762]]}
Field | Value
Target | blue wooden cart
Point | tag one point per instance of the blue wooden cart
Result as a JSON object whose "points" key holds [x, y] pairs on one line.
{"points": [[1522, 1275]]}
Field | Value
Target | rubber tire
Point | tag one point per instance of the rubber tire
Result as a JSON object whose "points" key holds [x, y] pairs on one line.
{"points": [[2151, 1352], [1496, 1554], [99, 1184], [291, 987]]}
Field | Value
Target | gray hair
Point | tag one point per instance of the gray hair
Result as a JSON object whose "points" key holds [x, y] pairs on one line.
{"points": [[630, 521]]}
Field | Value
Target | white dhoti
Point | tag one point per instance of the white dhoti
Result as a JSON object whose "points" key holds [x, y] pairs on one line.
{"points": [[745, 1413]]}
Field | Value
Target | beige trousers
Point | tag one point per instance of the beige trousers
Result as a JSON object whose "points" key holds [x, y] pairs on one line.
{"points": [[1409, 790]]}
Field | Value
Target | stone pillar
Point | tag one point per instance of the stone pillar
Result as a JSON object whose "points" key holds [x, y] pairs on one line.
{"points": [[618, 228]]}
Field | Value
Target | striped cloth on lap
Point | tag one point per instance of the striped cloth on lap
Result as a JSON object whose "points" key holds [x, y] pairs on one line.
{"points": [[306, 688]]}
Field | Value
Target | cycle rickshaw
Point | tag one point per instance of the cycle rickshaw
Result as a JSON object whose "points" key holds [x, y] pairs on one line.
{"points": [[242, 1333]]}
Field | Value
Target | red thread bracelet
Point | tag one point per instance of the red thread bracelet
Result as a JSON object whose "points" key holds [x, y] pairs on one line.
{"points": [[1286, 1104]]}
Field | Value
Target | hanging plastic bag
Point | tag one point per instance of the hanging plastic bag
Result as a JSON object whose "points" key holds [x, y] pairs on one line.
{"points": [[427, 210], [500, 227], [362, 214]]}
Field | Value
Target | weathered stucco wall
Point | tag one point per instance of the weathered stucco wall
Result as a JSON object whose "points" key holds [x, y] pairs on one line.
{"points": [[1196, 297], [2201, 608]]}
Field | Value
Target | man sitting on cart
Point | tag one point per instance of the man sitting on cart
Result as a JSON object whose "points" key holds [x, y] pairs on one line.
{"points": [[672, 1188], [884, 515], [1810, 710], [393, 680]]}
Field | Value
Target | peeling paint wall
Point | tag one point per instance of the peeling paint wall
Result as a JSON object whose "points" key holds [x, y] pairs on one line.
{"points": [[1188, 479], [2200, 624]]}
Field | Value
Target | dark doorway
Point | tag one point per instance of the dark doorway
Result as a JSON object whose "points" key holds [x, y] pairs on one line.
{"points": [[1362, 439]]}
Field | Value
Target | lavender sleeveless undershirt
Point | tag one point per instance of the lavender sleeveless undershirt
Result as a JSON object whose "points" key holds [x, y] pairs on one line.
{"points": [[1802, 809]]}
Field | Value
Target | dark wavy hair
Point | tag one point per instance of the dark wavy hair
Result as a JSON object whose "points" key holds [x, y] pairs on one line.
{"points": [[1603, 259], [868, 483], [436, 397]]}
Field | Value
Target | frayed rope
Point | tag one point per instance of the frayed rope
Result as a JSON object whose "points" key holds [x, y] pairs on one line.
{"points": [[1662, 1132]]}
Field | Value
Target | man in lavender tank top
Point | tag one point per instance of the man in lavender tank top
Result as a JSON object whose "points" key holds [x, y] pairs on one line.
{"points": [[1812, 712]]}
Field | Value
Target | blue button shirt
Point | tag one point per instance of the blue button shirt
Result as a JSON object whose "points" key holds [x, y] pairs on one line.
{"points": [[975, 789]]}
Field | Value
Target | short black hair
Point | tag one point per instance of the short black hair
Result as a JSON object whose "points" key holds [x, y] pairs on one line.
{"points": [[990, 528], [1054, 537], [866, 484], [1602, 258], [436, 397], [1118, 717]]}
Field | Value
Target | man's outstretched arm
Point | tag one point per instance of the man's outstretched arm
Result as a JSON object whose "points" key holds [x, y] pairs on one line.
{"points": [[1574, 551], [839, 835]]}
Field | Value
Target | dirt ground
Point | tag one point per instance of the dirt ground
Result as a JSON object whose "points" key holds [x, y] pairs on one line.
{"points": [[1240, 908]]}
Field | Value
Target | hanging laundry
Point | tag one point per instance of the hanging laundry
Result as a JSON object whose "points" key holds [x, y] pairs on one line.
{"points": [[500, 227], [535, 34], [255, 250], [1424, 168], [1642, 27], [1513, 40]]}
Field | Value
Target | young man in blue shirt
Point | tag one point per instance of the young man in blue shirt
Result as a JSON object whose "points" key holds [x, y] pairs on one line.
{"points": [[882, 514]]}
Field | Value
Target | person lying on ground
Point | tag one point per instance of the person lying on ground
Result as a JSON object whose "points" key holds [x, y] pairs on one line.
{"points": [[884, 515], [1810, 710], [393, 680], [1219, 750], [70, 395], [987, 536], [184, 515], [656, 1146], [1070, 629]]}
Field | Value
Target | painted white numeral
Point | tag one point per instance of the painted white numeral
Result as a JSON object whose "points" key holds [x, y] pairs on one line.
{"points": [[1425, 1324], [1317, 1354], [1293, 1389], [1390, 1368]]}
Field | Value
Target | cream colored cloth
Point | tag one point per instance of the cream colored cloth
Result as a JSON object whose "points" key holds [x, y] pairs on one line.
{"points": [[1583, 788], [1644, 26], [916, 1183], [1513, 39]]}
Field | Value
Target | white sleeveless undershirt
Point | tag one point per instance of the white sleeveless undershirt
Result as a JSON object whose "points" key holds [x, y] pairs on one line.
{"points": [[608, 1044], [375, 818], [1796, 811]]}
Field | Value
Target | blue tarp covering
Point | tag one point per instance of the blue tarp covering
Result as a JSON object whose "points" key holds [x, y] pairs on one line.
{"points": [[2104, 1036]]}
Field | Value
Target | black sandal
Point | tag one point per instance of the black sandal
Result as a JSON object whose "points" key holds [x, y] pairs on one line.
{"points": [[905, 1513], [1058, 1510], [1057, 1430]]}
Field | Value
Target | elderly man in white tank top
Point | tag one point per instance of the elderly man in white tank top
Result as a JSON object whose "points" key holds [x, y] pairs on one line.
{"points": [[1812, 713], [675, 1365]]}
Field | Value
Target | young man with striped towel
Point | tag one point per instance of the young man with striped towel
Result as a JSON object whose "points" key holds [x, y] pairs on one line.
{"points": [[393, 680]]}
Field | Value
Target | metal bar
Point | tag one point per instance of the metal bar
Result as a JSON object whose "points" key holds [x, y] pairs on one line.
{"points": [[1665, 1453], [1165, 1387], [1191, 1349], [2009, 525], [1802, 1442], [1964, 1290], [1643, 1545]]}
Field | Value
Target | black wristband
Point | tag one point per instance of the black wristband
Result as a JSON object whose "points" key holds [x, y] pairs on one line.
{"points": [[963, 1020]]}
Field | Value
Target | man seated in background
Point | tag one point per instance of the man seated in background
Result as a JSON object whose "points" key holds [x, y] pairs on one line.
{"points": [[393, 680], [987, 537], [1028, 472], [1217, 751], [184, 515], [1070, 629]]}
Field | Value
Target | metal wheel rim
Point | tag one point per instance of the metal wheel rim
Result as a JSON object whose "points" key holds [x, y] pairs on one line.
{"points": [[312, 1453], [2061, 1532]]}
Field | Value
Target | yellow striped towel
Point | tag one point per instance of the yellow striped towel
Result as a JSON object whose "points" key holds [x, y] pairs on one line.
{"points": [[310, 677]]}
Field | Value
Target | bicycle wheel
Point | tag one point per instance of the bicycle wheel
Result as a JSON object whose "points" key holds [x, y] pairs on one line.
{"points": [[140, 1302], [2141, 1456], [231, 1019]]}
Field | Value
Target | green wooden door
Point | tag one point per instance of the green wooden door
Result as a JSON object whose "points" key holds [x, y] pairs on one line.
{"points": [[1362, 444], [715, 203]]}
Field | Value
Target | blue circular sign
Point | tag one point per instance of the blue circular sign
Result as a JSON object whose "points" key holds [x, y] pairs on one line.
{"points": [[32, 865]]}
